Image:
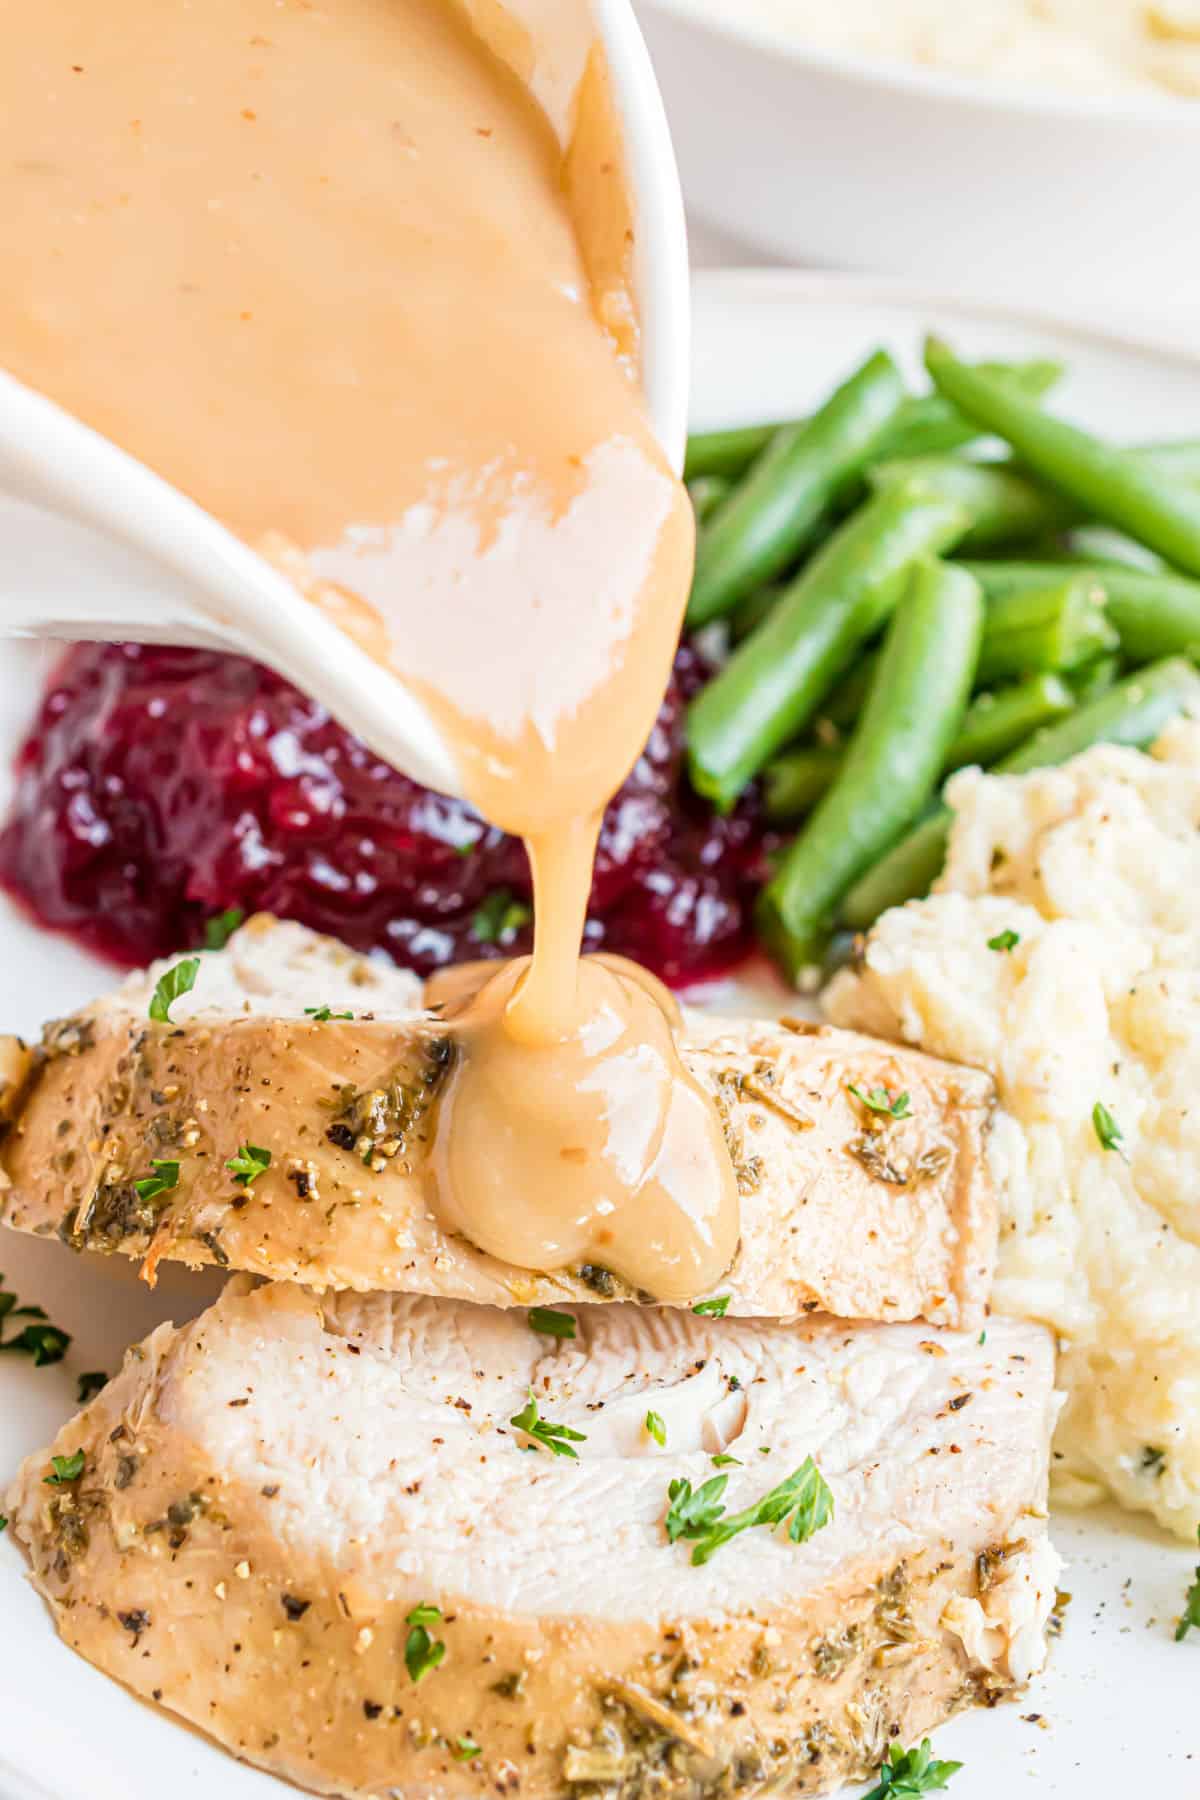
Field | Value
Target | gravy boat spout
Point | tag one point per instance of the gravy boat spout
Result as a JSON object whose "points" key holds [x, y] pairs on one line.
{"points": [[97, 546]]}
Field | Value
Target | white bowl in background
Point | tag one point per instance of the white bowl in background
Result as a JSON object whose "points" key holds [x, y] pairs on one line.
{"points": [[836, 160]]}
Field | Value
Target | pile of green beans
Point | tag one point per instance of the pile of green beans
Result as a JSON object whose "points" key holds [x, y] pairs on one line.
{"points": [[993, 724], [773, 683], [925, 425], [760, 526], [907, 584], [916, 704]]}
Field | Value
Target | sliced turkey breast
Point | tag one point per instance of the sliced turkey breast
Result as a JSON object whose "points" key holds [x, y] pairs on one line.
{"points": [[844, 1208], [272, 1521]]}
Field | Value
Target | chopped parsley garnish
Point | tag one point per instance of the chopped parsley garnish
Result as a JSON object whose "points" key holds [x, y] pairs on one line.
{"points": [[558, 1438], [1153, 1459], [878, 1100], [551, 1323], [164, 1178], [91, 1384], [465, 1749], [44, 1342], [803, 1500], [1106, 1128], [423, 1653], [982, 1337], [322, 1013], [250, 1162], [179, 979], [39, 1339], [3, 1522], [500, 918], [907, 1773], [1004, 940], [219, 929], [1191, 1606], [425, 1614], [656, 1425], [723, 1460], [715, 1308], [692, 1514], [64, 1469]]}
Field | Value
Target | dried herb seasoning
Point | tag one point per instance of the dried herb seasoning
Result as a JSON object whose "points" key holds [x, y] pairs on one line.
{"points": [[388, 1121]]}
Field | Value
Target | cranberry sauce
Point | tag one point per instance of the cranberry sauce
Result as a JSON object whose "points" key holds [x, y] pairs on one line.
{"points": [[161, 787]]}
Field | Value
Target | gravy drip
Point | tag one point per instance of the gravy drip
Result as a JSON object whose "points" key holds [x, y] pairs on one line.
{"points": [[329, 270], [608, 1134]]}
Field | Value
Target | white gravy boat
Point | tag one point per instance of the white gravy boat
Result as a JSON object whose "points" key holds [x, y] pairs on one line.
{"points": [[96, 546]]}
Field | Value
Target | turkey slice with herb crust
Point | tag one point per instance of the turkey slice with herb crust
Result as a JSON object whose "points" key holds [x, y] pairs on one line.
{"points": [[262, 1129], [314, 1530]]}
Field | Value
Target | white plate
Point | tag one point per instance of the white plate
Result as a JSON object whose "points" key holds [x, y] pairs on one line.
{"points": [[1117, 1701]]}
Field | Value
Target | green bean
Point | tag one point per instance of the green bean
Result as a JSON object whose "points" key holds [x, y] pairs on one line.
{"points": [[1133, 712], [1094, 678], [1115, 485], [924, 423], [796, 780], [750, 612], [1007, 576], [1056, 622], [998, 722], [1063, 627], [1033, 692], [1091, 543], [913, 711], [1056, 627], [1153, 615], [994, 724], [706, 493], [842, 705], [1004, 506], [927, 424], [844, 701], [907, 872], [762, 526], [776, 679], [728, 453]]}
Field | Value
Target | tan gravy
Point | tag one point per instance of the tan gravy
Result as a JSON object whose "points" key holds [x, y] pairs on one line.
{"points": [[328, 269]]}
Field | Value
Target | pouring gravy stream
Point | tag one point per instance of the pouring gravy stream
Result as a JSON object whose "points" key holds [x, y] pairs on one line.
{"points": [[330, 271]]}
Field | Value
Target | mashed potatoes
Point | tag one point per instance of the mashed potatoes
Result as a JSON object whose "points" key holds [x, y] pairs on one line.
{"points": [[1096, 868], [1092, 46]]}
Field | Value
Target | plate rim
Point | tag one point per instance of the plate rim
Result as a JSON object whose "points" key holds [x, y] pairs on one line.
{"points": [[826, 287]]}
